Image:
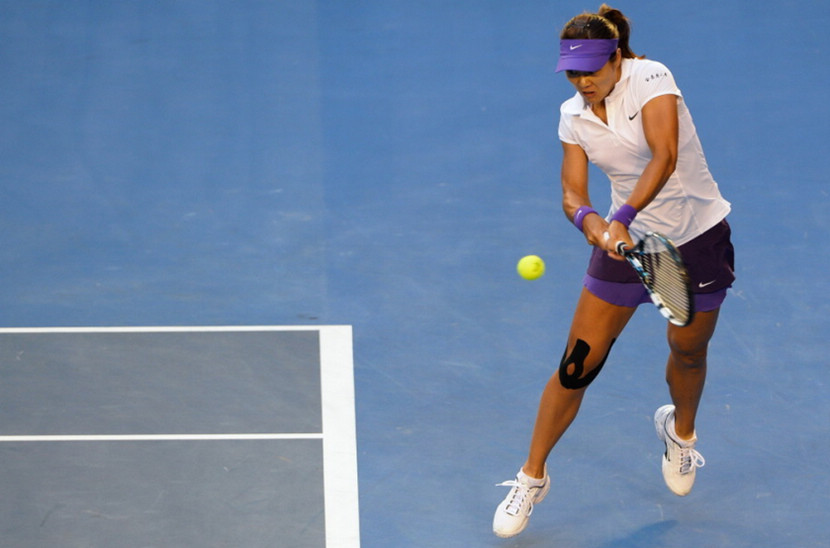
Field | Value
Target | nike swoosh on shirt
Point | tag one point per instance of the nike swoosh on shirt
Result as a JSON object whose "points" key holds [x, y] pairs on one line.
{"points": [[634, 115]]}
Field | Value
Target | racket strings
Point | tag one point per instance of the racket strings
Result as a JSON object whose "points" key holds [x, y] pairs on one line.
{"points": [[667, 277]]}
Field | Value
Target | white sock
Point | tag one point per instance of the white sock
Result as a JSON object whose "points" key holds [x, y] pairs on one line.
{"points": [[676, 437], [530, 481]]}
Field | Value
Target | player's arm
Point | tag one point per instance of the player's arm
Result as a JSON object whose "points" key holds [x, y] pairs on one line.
{"points": [[660, 125], [575, 192]]}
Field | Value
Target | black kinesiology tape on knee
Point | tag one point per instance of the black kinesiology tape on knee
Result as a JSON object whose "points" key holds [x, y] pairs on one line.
{"points": [[575, 380]]}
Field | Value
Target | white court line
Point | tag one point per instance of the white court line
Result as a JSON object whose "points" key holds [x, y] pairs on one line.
{"points": [[163, 437], [173, 329], [339, 428], [340, 438]]}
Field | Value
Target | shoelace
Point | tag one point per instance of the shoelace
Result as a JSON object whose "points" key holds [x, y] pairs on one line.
{"points": [[518, 495], [690, 459]]}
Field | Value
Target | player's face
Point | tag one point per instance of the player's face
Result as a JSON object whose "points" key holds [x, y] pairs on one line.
{"points": [[595, 86]]}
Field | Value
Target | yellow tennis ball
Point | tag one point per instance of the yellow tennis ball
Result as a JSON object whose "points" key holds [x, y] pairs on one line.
{"points": [[531, 267]]}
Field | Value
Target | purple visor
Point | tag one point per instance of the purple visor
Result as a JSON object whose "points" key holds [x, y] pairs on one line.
{"points": [[585, 55]]}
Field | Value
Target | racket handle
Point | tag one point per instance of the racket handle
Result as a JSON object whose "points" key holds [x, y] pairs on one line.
{"points": [[621, 247]]}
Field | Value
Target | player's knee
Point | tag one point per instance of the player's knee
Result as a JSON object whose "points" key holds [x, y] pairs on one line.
{"points": [[687, 353], [572, 374]]}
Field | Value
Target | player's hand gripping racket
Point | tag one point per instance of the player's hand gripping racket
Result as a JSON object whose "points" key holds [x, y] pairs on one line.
{"points": [[661, 269]]}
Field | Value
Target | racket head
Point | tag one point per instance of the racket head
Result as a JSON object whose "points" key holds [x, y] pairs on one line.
{"points": [[661, 269]]}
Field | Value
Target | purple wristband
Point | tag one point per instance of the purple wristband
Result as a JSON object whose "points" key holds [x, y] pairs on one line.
{"points": [[625, 215], [580, 215]]}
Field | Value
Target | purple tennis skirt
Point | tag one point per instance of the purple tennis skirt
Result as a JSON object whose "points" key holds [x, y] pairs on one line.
{"points": [[709, 259]]}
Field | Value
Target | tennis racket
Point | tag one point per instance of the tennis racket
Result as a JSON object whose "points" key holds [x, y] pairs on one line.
{"points": [[660, 267]]}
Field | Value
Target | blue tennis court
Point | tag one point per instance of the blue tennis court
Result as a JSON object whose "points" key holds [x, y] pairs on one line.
{"points": [[193, 174]]}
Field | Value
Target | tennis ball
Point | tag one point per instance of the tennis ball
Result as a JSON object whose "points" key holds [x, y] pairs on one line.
{"points": [[531, 267]]}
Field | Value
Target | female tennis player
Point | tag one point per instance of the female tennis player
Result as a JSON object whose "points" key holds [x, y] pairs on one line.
{"points": [[628, 117]]}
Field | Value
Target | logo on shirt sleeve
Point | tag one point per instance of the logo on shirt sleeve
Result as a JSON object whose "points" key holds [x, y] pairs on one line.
{"points": [[656, 76]]}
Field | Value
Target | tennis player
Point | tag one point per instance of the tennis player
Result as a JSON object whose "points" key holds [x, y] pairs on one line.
{"points": [[628, 117]]}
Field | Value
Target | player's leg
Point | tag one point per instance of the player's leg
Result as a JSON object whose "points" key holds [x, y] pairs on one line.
{"points": [[711, 262], [686, 376], [595, 327], [686, 368]]}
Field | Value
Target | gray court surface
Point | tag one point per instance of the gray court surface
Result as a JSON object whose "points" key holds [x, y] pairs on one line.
{"points": [[160, 383], [163, 438], [162, 493]]}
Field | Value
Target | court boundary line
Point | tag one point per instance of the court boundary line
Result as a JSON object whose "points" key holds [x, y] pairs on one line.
{"points": [[339, 436], [160, 437]]}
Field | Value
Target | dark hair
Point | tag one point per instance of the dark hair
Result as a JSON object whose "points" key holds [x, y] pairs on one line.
{"points": [[607, 23]]}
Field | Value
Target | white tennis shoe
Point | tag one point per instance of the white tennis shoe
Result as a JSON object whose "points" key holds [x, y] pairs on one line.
{"points": [[514, 511], [681, 460]]}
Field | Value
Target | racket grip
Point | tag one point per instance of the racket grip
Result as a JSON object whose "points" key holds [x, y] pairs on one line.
{"points": [[621, 247]]}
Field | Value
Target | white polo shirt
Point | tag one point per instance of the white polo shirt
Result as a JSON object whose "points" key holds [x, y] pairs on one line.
{"points": [[690, 203]]}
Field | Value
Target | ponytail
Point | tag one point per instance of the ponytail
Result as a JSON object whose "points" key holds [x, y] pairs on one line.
{"points": [[623, 25]]}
